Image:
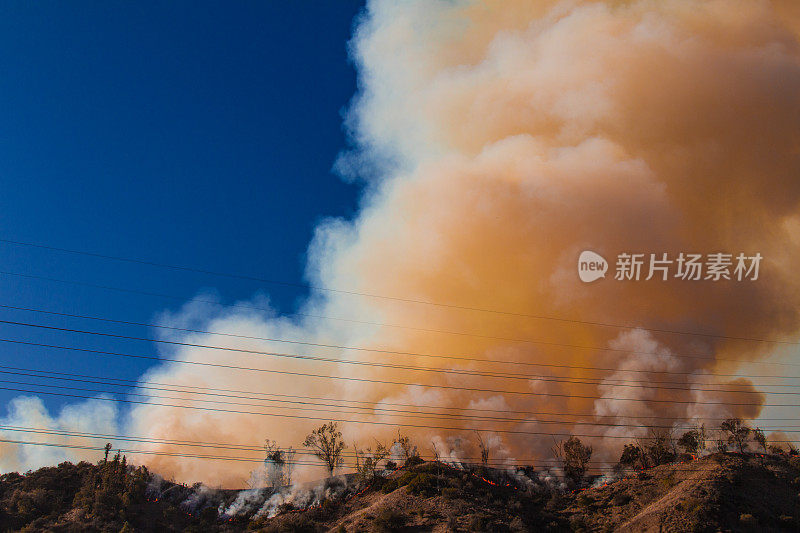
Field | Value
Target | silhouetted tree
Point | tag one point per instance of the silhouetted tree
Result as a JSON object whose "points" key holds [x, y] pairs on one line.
{"points": [[327, 444], [484, 449], [631, 455], [690, 441], [659, 447], [721, 446], [736, 432], [760, 438], [109, 491], [367, 460], [435, 451], [278, 463], [574, 456], [408, 449]]}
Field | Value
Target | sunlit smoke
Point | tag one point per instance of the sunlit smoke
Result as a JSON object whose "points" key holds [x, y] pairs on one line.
{"points": [[496, 141]]}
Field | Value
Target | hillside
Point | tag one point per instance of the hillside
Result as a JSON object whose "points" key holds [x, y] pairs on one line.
{"points": [[725, 492]]}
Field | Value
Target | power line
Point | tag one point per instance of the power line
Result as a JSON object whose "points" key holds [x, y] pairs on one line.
{"points": [[415, 354], [326, 419], [405, 414], [46, 374], [261, 449], [143, 452], [239, 305], [385, 382], [347, 453], [391, 298], [548, 474], [373, 364], [255, 448], [411, 328], [539, 377]]}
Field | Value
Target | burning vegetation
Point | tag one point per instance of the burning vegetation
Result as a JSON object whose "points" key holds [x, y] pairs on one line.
{"points": [[497, 141], [731, 477]]}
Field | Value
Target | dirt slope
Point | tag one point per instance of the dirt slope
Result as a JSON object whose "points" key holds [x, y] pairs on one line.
{"points": [[723, 492], [720, 492]]}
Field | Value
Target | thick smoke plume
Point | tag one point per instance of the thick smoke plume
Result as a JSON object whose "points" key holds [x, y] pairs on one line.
{"points": [[496, 141]]}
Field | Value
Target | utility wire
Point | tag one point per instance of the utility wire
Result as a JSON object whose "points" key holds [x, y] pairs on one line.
{"points": [[389, 297], [46, 374], [370, 364], [261, 449], [398, 352], [389, 325], [316, 409], [384, 382], [322, 419], [239, 305], [242, 447], [672, 467]]}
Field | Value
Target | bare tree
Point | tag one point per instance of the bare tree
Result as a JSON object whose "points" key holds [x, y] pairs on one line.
{"points": [[484, 448], [703, 436], [278, 464], [633, 454], [327, 444], [273, 463], [660, 446], [407, 448], [760, 438], [288, 465], [358, 455], [574, 456], [721, 446], [690, 441], [381, 452], [435, 451], [367, 460], [736, 432]]}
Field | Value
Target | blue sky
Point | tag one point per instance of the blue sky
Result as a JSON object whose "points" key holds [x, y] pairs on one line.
{"points": [[199, 134]]}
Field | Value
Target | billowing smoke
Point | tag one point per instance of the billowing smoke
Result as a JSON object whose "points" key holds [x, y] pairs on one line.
{"points": [[64, 431], [496, 141]]}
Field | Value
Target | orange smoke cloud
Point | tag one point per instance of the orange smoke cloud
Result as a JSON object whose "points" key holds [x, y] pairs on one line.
{"points": [[498, 140]]}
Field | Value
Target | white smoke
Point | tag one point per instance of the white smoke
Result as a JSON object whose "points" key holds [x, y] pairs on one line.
{"points": [[90, 416], [496, 140]]}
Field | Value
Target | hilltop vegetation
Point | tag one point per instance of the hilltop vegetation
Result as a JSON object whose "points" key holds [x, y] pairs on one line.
{"points": [[723, 491], [109, 496]]}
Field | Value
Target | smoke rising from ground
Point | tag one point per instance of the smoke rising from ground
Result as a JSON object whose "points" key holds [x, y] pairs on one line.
{"points": [[90, 416], [496, 141]]}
